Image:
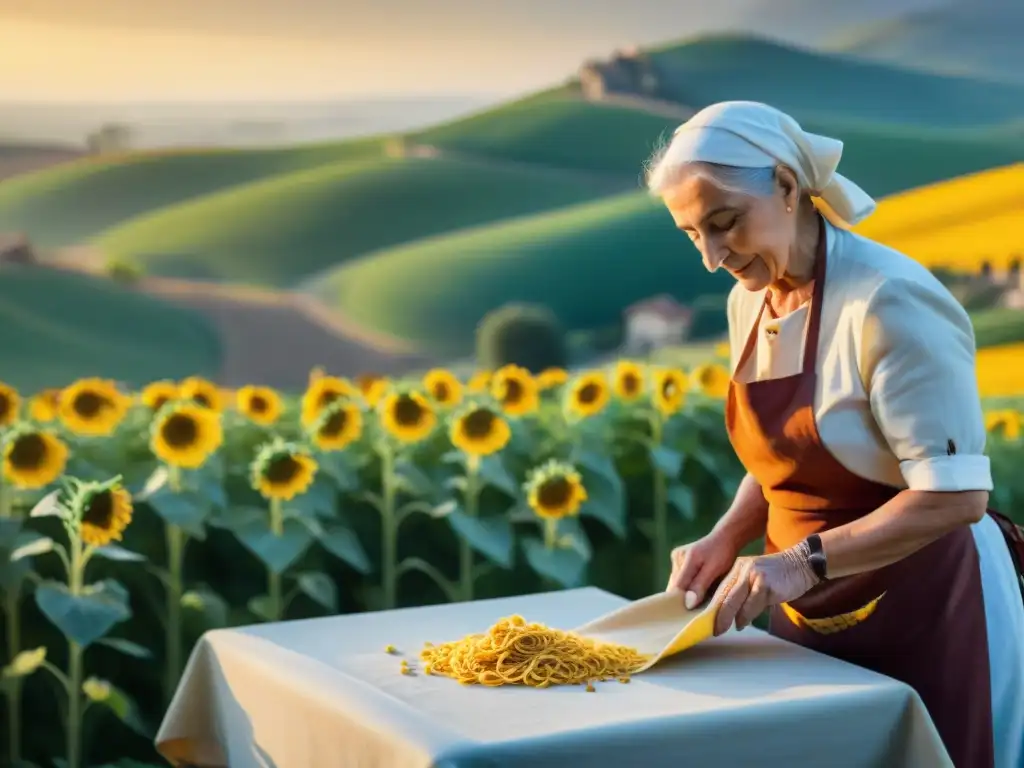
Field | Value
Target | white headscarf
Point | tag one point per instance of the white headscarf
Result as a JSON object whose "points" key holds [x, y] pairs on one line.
{"points": [[748, 134]]}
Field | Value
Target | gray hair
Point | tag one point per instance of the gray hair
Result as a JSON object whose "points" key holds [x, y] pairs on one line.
{"points": [[662, 174]]}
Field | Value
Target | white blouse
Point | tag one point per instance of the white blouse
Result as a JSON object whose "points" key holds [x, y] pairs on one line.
{"points": [[897, 395]]}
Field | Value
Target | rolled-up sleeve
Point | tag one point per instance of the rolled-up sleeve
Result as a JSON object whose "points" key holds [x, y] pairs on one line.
{"points": [[918, 361]]}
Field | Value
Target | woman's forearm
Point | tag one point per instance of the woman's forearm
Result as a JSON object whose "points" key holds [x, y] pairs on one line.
{"points": [[909, 521], [747, 517]]}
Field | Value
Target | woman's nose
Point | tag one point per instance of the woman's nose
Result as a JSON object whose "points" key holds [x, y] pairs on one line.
{"points": [[713, 256]]}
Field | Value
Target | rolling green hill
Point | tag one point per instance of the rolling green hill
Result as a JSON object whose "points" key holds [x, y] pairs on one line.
{"points": [[810, 85], [58, 326], [73, 202], [585, 262], [980, 39], [559, 129], [284, 229]]}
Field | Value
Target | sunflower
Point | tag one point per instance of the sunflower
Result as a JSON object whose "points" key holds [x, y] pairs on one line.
{"points": [[33, 458], [516, 390], [375, 391], [10, 402], [588, 394], [407, 415], [43, 405], [103, 511], [550, 378], [669, 390], [479, 382], [92, 407], [261, 404], [479, 430], [203, 392], [443, 387], [340, 424], [629, 380], [323, 391], [282, 471], [185, 434], [713, 379], [555, 490], [158, 394], [1007, 422], [722, 350]]}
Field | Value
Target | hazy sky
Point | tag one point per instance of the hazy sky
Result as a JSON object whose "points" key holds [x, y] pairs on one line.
{"points": [[256, 49]]}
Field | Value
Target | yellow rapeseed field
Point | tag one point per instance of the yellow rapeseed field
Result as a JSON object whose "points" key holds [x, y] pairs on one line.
{"points": [[1001, 370], [957, 223]]}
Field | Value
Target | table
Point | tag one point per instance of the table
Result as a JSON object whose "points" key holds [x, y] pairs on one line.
{"points": [[323, 692]]}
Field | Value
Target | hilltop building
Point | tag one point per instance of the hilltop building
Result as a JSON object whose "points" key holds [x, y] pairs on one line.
{"points": [[15, 248], [656, 322], [629, 72]]}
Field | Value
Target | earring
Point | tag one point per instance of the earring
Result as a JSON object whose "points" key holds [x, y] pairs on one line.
{"points": [[789, 209]]}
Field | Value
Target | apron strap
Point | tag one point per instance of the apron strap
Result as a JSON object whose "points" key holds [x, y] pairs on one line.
{"points": [[1014, 536], [817, 300]]}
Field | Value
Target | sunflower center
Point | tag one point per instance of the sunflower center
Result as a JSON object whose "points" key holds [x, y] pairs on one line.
{"points": [[160, 401], [441, 391], [180, 431], [334, 425], [513, 392], [282, 470], [5, 406], [408, 412], [554, 493], [88, 404], [99, 510], [258, 404], [28, 451], [326, 398], [479, 423], [588, 393], [630, 383], [669, 388], [201, 399]]}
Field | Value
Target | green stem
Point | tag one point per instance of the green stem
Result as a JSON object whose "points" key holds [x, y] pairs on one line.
{"points": [[74, 721], [466, 555], [176, 540], [550, 533], [660, 503], [389, 530], [273, 577], [12, 600]]}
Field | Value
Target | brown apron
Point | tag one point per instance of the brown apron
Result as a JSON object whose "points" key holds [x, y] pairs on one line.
{"points": [[920, 620]]}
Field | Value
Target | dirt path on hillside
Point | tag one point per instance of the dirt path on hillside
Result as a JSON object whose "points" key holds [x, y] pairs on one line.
{"points": [[276, 337]]}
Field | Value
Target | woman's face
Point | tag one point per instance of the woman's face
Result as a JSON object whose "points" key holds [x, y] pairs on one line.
{"points": [[751, 237]]}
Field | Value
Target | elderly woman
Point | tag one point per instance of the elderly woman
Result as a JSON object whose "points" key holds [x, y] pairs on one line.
{"points": [[854, 409]]}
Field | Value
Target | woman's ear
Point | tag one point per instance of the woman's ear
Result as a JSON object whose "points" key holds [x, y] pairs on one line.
{"points": [[788, 186]]}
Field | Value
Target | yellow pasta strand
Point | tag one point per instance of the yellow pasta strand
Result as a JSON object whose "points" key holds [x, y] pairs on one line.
{"points": [[513, 652]]}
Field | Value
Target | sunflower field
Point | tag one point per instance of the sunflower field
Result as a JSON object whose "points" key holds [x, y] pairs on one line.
{"points": [[132, 522]]}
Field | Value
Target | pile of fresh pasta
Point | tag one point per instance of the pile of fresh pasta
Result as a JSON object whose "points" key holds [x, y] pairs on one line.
{"points": [[513, 652]]}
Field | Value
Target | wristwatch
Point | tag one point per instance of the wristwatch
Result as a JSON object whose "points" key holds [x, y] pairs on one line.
{"points": [[815, 555]]}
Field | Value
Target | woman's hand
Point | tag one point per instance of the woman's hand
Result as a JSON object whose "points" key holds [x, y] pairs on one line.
{"points": [[696, 566], [757, 583]]}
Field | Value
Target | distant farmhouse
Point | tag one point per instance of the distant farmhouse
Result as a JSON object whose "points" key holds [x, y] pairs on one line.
{"points": [[1011, 280], [659, 321], [629, 72]]}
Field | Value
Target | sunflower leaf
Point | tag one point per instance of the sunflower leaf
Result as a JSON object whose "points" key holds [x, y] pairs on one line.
{"points": [[571, 536], [48, 506], [337, 465], [36, 545], [261, 607], [210, 486], [114, 552], [681, 497], [493, 472], [412, 479], [606, 494], [491, 536], [276, 552], [321, 499], [86, 617], [213, 607], [566, 567], [126, 647], [666, 460], [345, 545], [187, 509], [126, 710], [319, 588]]}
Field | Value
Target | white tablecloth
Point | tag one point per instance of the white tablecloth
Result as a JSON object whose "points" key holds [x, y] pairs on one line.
{"points": [[323, 692]]}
